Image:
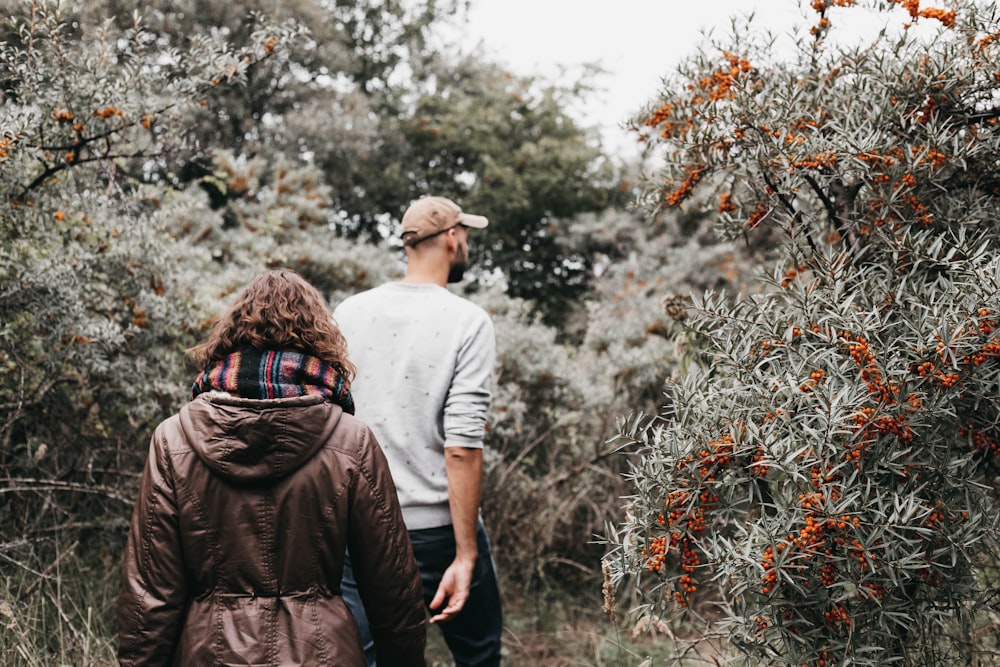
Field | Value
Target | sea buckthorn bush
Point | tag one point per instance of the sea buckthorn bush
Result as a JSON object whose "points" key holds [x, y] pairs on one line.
{"points": [[93, 315], [821, 491]]}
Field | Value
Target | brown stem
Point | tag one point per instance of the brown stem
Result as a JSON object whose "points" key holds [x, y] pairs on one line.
{"points": [[23, 484]]}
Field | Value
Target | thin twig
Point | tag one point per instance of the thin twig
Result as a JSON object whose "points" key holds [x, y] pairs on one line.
{"points": [[26, 568], [55, 169], [39, 393], [45, 574], [18, 485], [67, 621]]}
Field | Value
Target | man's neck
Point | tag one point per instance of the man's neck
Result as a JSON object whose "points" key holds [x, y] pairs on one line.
{"points": [[416, 276]]}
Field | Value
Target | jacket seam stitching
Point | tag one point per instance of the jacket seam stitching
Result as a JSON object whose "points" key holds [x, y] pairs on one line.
{"points": [[213, 551]]}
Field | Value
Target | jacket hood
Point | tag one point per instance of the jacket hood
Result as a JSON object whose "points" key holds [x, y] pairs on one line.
{"points": [[247, 440]]}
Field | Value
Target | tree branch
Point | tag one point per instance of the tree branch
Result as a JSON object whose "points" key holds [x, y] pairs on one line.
{"points": [[41, 178], [39, 393], [831, 210], [796, 215], [20, 485]]}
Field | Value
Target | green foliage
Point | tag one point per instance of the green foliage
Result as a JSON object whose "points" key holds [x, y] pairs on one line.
{"points": [[547, 447], [829, 477], [356, 93]]}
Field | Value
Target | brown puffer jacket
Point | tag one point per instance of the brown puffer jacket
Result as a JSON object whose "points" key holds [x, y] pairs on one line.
{"points": [[237, 541]]}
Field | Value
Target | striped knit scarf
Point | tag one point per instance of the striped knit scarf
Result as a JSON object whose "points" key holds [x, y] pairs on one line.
{"points": [[264, 374]]}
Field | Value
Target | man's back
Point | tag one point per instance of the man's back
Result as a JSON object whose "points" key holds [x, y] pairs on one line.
{"points": [[424, 357], [425, 360]]}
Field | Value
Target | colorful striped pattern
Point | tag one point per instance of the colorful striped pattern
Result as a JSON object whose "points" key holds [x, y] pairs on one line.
{"points": [[263, 374]]}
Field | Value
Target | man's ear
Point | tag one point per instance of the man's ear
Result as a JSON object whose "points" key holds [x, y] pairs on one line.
{"points": [[451, 240]]}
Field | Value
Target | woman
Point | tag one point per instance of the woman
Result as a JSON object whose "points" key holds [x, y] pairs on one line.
{"points": [[250, 497]]}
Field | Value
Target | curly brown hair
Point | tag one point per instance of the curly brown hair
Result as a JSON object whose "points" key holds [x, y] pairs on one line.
{"points": [[277, 310]]}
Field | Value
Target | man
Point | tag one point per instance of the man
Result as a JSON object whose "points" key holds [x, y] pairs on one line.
{"points": [[425, 360]]}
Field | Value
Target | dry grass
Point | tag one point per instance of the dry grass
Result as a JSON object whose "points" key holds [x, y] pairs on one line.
{"points": [[66, 617], [566, 629]]}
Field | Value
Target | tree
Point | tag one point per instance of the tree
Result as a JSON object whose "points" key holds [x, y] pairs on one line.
{"points": [[346, 62], [829, 474], [85, 274], [555, 472], [506, 147]]}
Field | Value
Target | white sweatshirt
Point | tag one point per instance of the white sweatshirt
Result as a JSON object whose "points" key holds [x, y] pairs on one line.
{"points": [[425, 360]]}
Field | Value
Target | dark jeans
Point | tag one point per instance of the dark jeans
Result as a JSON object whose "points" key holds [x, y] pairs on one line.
{"points": [[473, 636]]}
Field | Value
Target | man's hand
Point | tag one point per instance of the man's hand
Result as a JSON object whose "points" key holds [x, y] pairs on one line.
{"points": [[454, 588], [464, 467]]}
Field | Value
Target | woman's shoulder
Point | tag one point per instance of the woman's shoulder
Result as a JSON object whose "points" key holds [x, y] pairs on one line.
{"points": [[169, 430], [352, 435]]}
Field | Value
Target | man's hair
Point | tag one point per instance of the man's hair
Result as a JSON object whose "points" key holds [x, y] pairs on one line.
{"points": [[277, 310]]}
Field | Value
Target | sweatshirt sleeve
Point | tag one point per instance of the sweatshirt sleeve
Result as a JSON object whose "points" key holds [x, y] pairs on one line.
{"points": [[153, 594], [383, 564], [471, 389]]}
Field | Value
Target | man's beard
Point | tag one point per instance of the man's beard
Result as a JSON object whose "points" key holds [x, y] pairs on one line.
{"points": [[458, 265], [457, 270]]}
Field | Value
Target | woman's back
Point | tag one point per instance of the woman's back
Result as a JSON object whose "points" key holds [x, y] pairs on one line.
{"points": [[241, 524]]}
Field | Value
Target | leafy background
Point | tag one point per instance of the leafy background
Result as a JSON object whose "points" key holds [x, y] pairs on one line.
{"points": [[152, 159]]}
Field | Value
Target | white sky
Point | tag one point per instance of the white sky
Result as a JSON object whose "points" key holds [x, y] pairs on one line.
{"points": [[637, 41]]}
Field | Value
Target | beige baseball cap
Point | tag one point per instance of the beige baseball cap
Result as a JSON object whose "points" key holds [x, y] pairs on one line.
{"points": [[428, 216]]}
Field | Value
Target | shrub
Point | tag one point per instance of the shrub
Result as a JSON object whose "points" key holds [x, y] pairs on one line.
{"points": [[822, 491], [95, 308]]}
